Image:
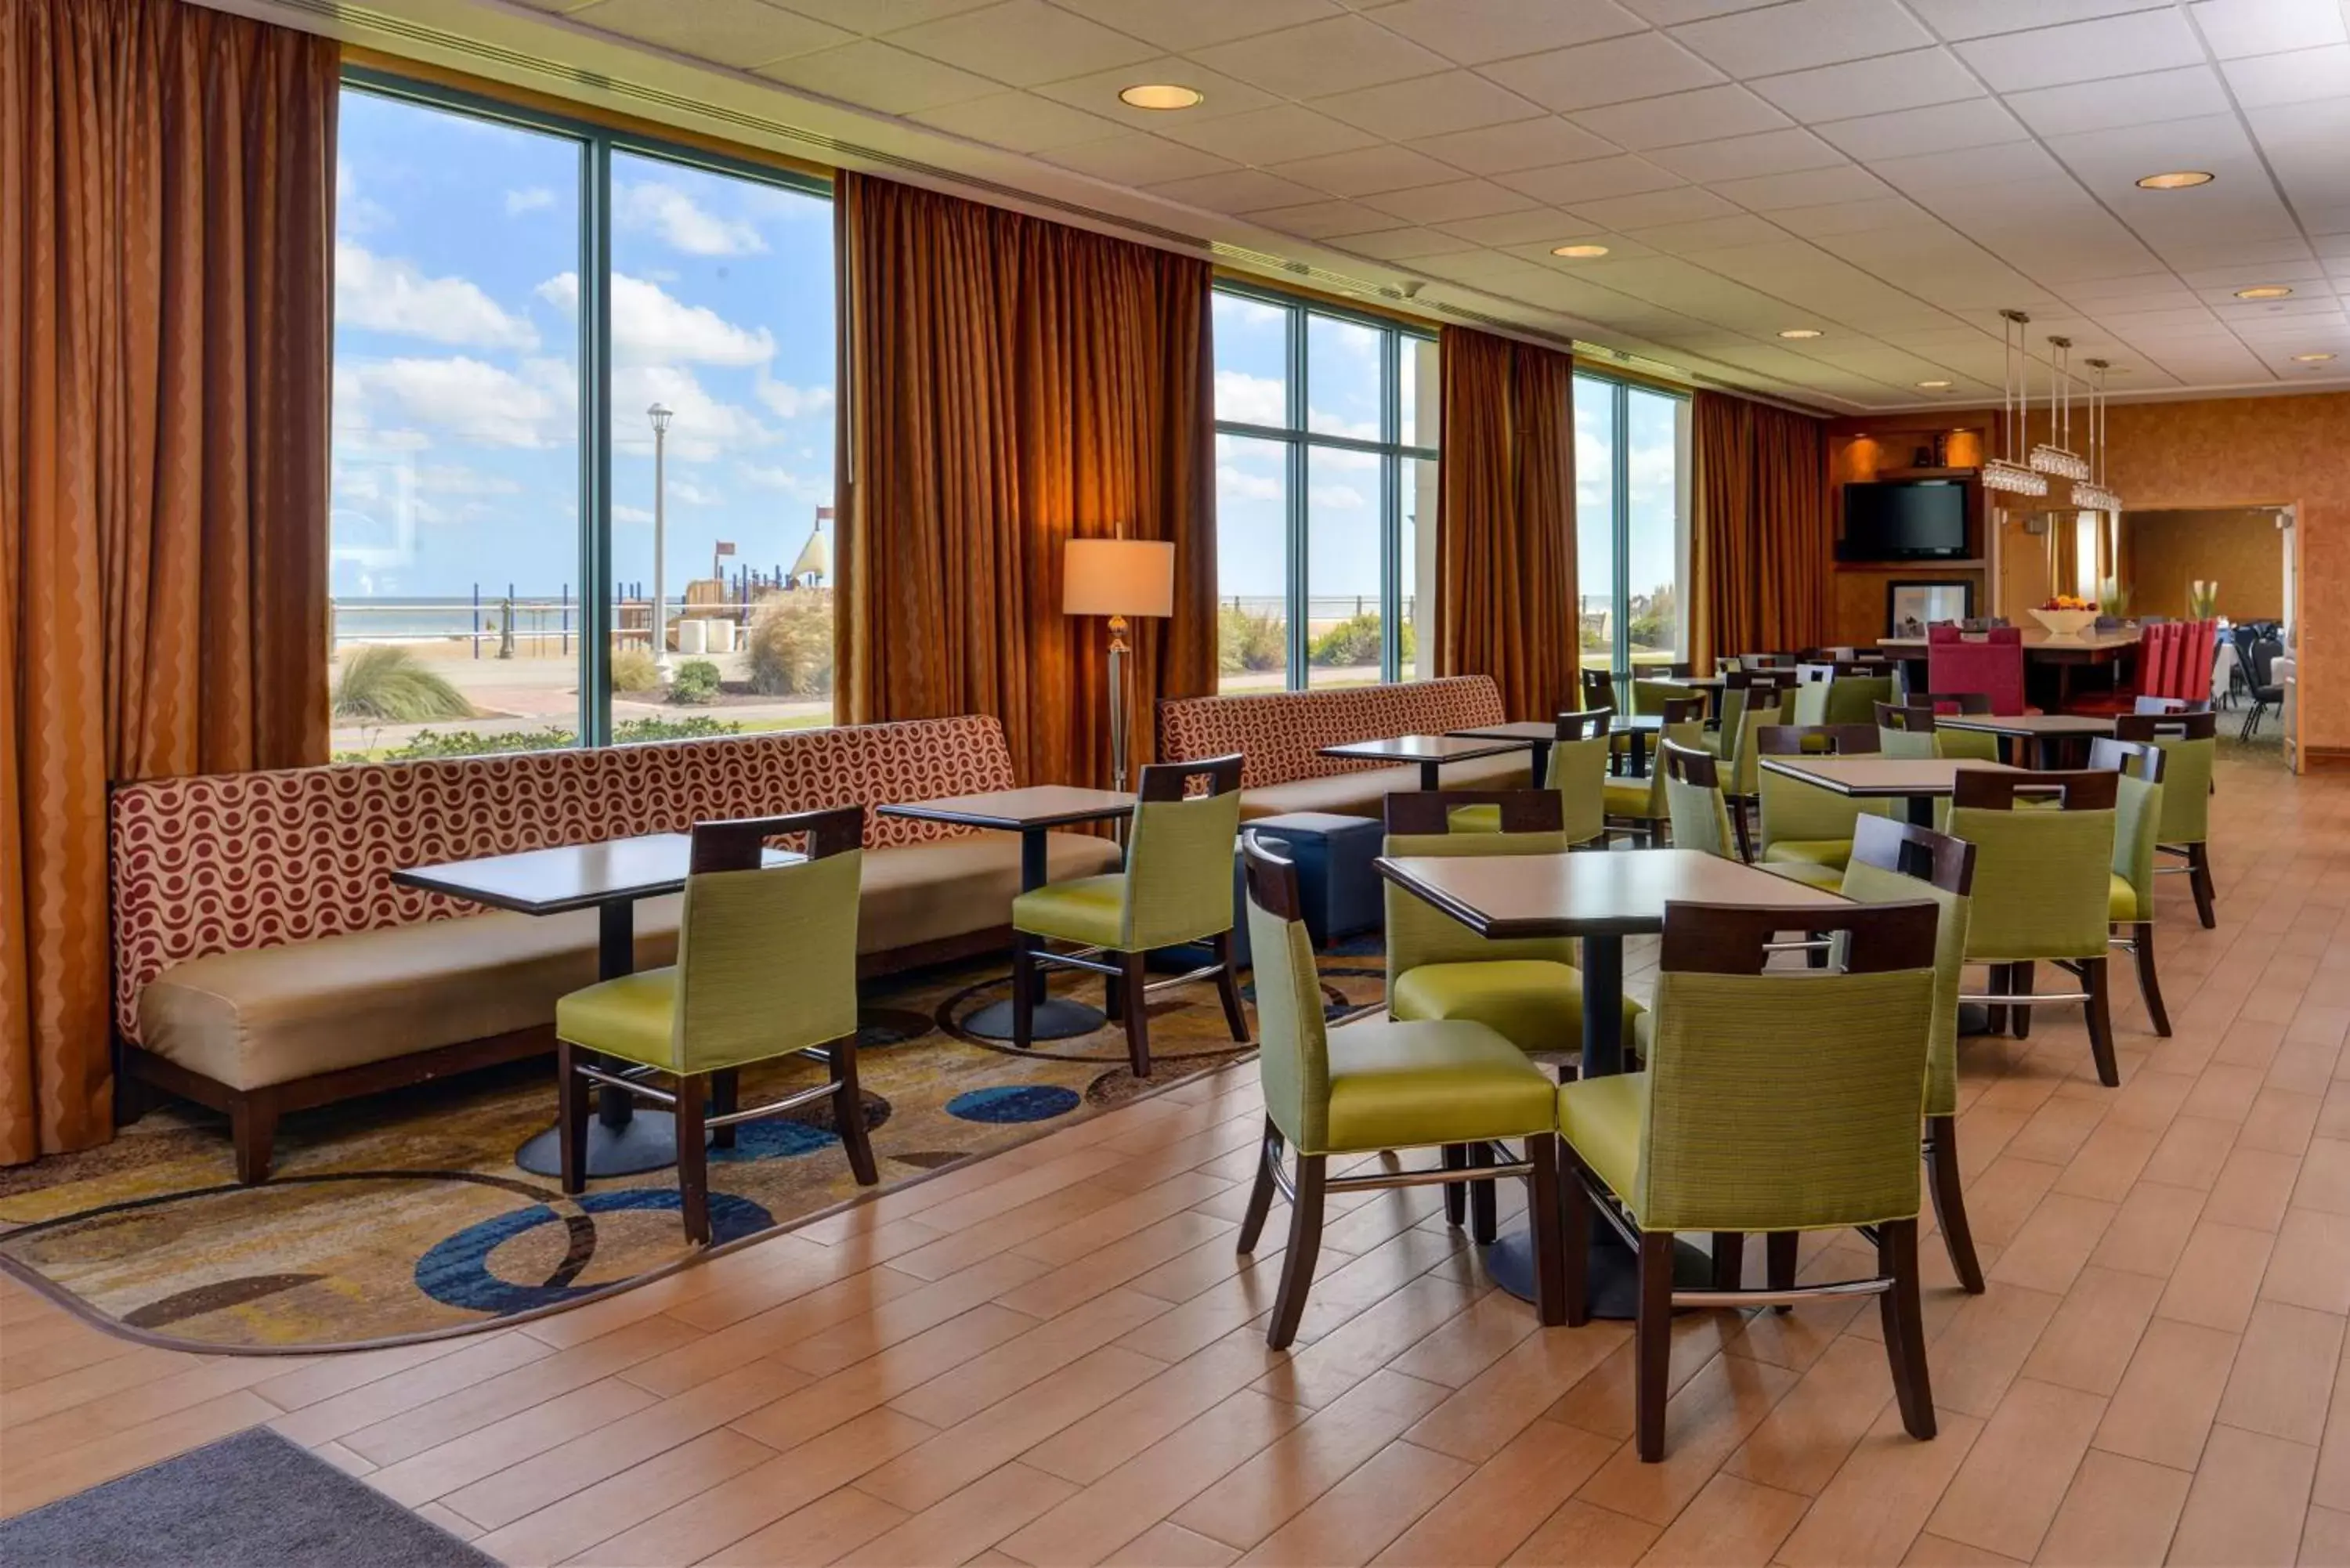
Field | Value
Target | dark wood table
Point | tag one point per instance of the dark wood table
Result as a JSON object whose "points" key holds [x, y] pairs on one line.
{"points": [[1599, 897], [1431, 752], [1921, 781], [2047, 734], [1032, 812], [609, 878], [2062, 654], [1640, 727], [1536, 736]]}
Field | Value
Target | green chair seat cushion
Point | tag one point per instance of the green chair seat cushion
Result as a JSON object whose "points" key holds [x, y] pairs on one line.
{"points": [[1407, 1084], [1602, 1119], [1834, 854], [632, 1016], [1806, 872], [1535, 1005], [1087, 910], [2121, 900], [1474, 818], [1631, 798]]}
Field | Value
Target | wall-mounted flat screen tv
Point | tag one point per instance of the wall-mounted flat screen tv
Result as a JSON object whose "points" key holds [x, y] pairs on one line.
{"points": [[1904, 520]]}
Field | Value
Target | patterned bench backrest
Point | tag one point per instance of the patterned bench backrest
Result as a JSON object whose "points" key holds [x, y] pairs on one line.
{"points": [[1281, 732], [231, 861]]}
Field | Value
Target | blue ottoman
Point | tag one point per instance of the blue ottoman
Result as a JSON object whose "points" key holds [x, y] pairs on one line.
{"points": [[1335, 878]]}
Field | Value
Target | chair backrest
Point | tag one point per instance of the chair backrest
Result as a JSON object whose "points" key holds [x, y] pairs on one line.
{"points": [[1906, 731], [2145, 705], [1179, 880], [1421, 822], [1853, 698], [1292, 1040], [1990, 662], [1967, 704], [1749, 701], [1599, 689], [1815, 674], [1898, 862], [2190, 746], [1590, 725], [1653, 696], [2042, 879], [1733, 1140], [1682, 720], [1578, 774], [2138, 811], [766, 955], [1701, 818], [2265, 653], [1795, 811], [1816, 740]]}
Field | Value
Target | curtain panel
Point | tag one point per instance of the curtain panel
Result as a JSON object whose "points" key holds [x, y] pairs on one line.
{"points": [[165, 331], [1506, 602], [1762, 542], [1010, 384]]}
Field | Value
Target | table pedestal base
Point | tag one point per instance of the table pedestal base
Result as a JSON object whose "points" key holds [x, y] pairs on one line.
{"points": [[1056, 1018], [646, 1141], [1614, 1270]]}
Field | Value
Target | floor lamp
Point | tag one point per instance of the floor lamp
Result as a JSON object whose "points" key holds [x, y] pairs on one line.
{"points": [[1117, 579]]}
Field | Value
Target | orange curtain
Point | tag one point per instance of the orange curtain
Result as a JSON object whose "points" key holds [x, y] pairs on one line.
{"points": [[1010, 384], [1762, 539], [1505, 520], [166, 326]]}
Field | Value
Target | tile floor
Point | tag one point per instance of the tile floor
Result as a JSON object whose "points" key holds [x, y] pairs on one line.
{"points": [[1054, 1356]]}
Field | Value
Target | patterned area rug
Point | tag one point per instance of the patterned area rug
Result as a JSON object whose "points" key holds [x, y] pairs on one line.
{"points": [[405, 1215]]}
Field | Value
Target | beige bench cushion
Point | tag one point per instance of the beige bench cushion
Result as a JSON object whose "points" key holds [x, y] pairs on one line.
{"points": [[1365, 793], [273, 1014]]}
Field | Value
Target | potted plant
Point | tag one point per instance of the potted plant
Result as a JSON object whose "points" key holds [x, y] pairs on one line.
{"points": [[2203, 599]]}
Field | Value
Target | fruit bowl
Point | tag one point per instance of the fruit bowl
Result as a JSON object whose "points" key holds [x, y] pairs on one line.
{"points": [[2065, 622]]}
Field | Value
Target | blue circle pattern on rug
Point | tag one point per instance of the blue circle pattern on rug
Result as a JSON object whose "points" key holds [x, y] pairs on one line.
{"points": [[456, 1272], [781, 1138], [1015, 1102]]}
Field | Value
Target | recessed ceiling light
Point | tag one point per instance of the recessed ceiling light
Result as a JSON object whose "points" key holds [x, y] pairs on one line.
{"points": [[1800, 332], [2264, 291], [2177, 179], [2310, 358], [1578, 253], [1933, 386], [1162, 95]]}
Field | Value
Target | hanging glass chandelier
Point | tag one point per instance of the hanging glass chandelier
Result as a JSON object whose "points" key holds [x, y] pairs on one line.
{"points": [[2090, 493], [2056, 455], [2005, 472]]}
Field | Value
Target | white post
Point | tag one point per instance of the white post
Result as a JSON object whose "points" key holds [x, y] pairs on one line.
{"points": [[661, 417]]}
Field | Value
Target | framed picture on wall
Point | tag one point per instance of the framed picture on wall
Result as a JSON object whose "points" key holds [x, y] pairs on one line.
{"points": [[1911, 608]]}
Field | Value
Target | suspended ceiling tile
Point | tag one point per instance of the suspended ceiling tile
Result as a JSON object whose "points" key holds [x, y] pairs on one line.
{"points": [[1522, 144], [2301, 76], [2007, 164], [1473, 32], [1833, 218], [1334, 56], [1430, 106], [1019, 121], [880, 77], [1023, 42], [1683, 204], [1938, 128], [1365, 172], [1548, 225], [2235, 28], [744, 34], [1283, 133], [2131, 44], [1235, 191], [1808, 188], [1871, 87], [1746, 157], [1457, 199], [1195, 24], [873, 16], [1678, 117], [1137, 158], [1571, 185], [1399, 245], [1670, 13], [1615, 71], [2075, 106], [1712, 234], [1802, 34], [1958, 19], [1324, 219], [1097, 94]]}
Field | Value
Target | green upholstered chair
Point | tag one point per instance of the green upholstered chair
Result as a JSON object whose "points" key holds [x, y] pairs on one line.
{"points": [[1775, 1101], [1374, 1085], [1811, 696], [1176, 889], [2188, 747], [1897, 862], [1693, 800], [1907, 732], [1761, 699], [1806, 831], [1649, 694], [2138, 819], [2044, 890], [1853, 698], [1578, 776], [1637, 805], [766, 967]]}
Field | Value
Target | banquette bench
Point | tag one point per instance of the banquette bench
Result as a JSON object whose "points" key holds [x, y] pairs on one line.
{"points": [[264, 962], [1281, 734]]}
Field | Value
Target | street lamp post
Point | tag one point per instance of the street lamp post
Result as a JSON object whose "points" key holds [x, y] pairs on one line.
{"points": [[659, 416]]}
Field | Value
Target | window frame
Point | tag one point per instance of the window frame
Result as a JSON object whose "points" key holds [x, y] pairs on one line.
{"points": [[1298, 442], [597, 143], [1619, 522]]}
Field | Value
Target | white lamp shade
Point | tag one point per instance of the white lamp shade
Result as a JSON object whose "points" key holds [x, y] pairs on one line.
{"points": [[1118, 577]]}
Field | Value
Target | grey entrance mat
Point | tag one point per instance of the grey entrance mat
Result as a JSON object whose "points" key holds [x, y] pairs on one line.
{"points": [[253, 1501]]}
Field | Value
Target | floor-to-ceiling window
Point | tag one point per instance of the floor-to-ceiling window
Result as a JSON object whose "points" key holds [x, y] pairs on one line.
{"points": [[1326, 496], [1631, 516], [520, 300]]}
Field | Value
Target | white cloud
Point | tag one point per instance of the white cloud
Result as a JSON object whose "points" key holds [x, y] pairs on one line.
{"points": [[1232, 310], [1251, 399], [685, 492], [790, 402], [1324, 423], [684, 222], [631, 514], [383, 293], [355, 213], [477, 403], [651, 326], [1240, 485], [813, 490], [456, 479], [530, 200], [1336, 497], [703, 429]]}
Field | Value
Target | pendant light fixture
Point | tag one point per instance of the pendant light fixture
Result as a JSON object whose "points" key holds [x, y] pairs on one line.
{"points": [[2056, 455], [2091, 494], [2005, 471]]}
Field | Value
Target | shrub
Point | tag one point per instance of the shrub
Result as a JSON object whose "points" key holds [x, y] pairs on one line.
{"points": [[701, 727], [391, 685], [791, 646], [635, 669], [429, 744], [1355, 640], [1245, 641], [695, 683]]}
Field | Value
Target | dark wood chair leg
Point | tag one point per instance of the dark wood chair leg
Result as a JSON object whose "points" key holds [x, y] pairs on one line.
{"points": [[1729, 1259], [572, 1109], [2023, 984], [1574, 1235], [2149, 984], [253, 1125], [1024, 991], [2199, 878], [1738, 825], [1137, 1013], [1541, 1199], [1261, 1193], [693, 1158], [1653, 1343], [1779, 1250], [1483, 1222], [1455, 1156], [1304, 1244], [1941, 1155], [2101, 1023], [2000, 983], [1228, 985], [848, 1112], [725, 1099], [1905, 1327]]}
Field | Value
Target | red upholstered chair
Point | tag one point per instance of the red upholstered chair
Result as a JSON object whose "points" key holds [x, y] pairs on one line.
{"points": [[1990, 662]]}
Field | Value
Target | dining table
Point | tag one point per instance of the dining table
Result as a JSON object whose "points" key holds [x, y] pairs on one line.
{"points": [[2048, 735], [1432, 753], [1919, 782], [1032, 813], [1599, 897], [611, 879]]}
